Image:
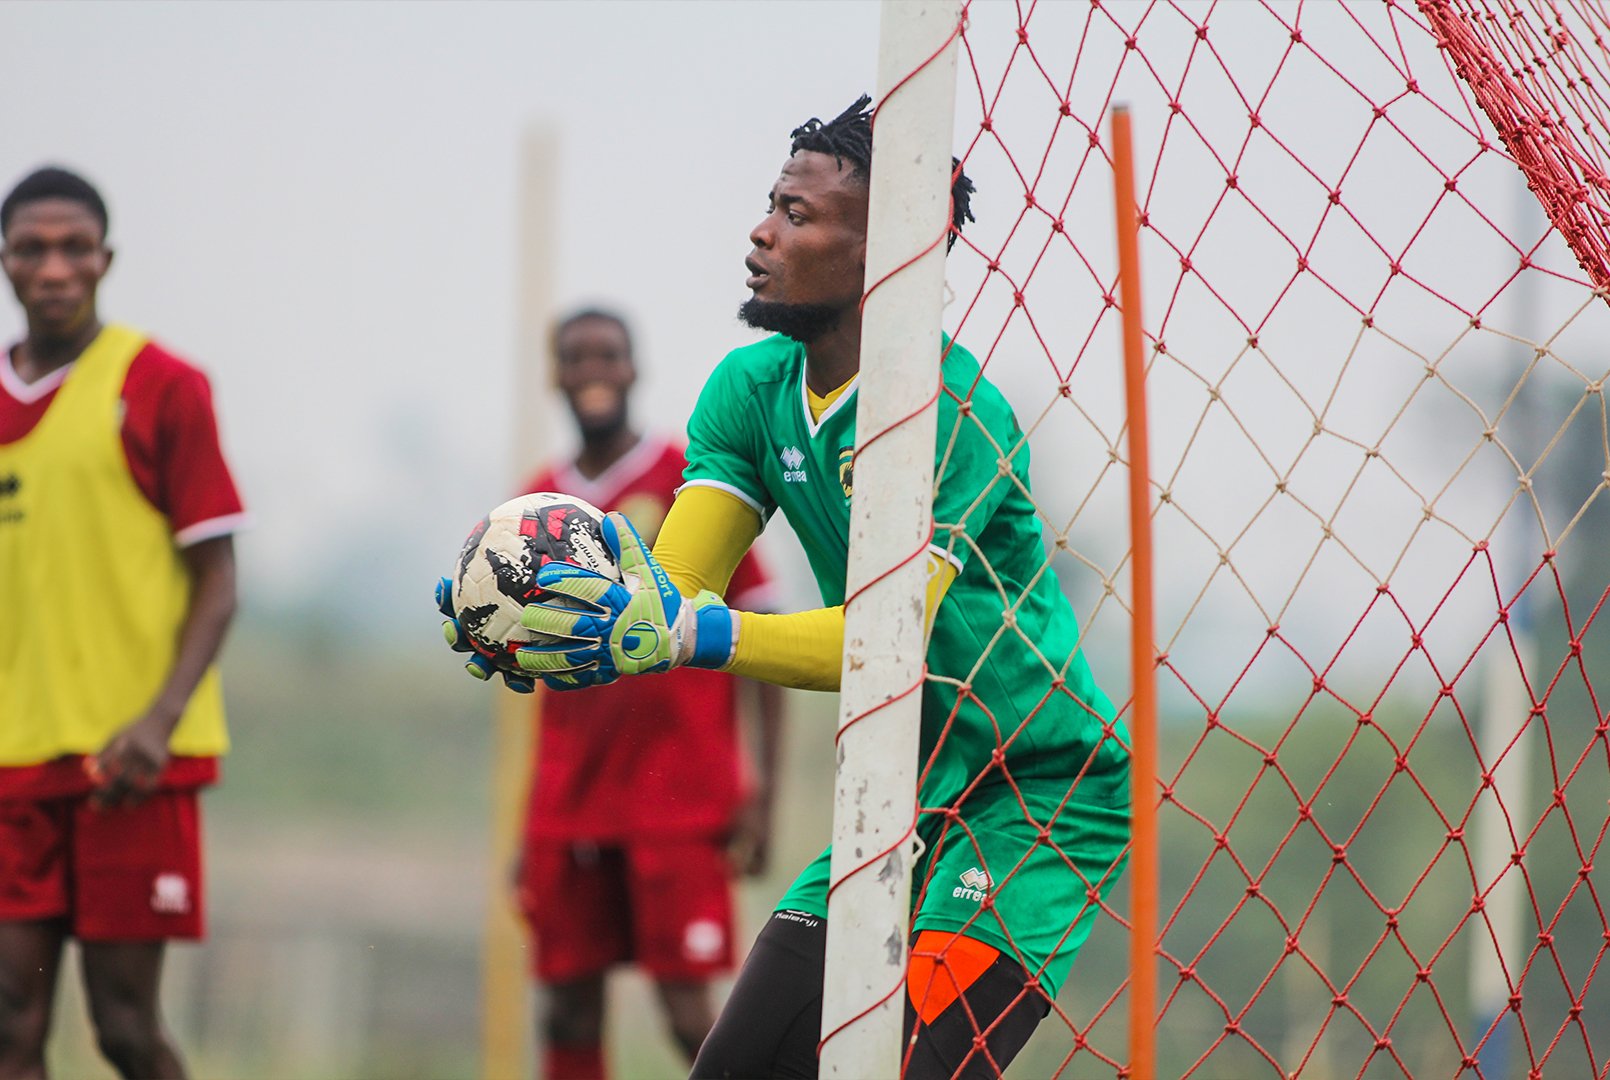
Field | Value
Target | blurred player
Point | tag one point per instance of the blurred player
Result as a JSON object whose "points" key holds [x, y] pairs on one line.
{"points": [[638, 810], [117, 570]]}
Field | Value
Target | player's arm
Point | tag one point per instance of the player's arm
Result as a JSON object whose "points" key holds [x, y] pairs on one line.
{"points": [[192, 487], [704, 535], [805, 649], [131, 762], [752, 832], [762, 705]]}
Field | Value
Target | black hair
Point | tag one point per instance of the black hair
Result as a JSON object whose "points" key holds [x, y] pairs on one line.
{"points": [[848, 137], [583, 314], [53, 182]]}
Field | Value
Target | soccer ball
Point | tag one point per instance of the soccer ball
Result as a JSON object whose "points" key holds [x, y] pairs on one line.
{"points": [[496, 573]]}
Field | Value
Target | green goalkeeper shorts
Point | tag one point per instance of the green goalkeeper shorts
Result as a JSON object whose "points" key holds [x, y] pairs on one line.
{"points": [[989, 875]]}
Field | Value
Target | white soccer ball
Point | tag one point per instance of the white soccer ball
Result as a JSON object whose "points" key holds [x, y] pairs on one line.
{"points": [[496, 573]]}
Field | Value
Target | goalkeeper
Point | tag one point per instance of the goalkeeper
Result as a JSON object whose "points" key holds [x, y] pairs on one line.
{"points": [[1032, 762]]}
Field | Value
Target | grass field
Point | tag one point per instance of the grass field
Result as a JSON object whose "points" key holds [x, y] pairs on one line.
{"points": [[348, 869], [348, 864]]}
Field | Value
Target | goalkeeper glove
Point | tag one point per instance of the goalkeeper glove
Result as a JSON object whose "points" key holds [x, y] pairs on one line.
{"points": [[639, 625], [477, 665]]}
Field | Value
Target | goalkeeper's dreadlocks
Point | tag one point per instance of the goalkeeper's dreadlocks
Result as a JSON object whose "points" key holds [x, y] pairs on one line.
{"points": [[848, 137]]}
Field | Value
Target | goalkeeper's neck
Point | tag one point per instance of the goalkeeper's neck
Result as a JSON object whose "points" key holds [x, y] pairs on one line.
{"points": [[834, 358]]}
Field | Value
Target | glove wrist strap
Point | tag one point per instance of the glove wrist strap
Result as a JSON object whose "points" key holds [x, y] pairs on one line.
{"points": [[715, 634]]}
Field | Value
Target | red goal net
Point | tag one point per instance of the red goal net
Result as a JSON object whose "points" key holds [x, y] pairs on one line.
{"points": [[1374, 253]]}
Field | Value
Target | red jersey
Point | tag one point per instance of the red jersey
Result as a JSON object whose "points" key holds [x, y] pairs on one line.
{"points": [[653, 755], [170, 437], [170, 440]]}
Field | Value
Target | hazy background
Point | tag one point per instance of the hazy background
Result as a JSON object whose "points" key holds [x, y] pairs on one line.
{"points": [[318, 204]]}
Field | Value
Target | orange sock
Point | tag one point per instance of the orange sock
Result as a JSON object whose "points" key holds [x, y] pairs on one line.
{"points": [[943, 965]]}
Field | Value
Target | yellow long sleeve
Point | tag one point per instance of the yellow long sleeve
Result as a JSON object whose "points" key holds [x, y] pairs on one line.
{"points": [[705, 534], [804, 649]]}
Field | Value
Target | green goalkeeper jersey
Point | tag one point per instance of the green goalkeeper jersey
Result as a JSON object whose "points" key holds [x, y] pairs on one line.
{"points": [[1031, 691]]}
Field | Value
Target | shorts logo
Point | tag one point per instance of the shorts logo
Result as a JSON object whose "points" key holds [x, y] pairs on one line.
{"points": [[703, 941], [792, 460], [975, 883], [170, 894]]}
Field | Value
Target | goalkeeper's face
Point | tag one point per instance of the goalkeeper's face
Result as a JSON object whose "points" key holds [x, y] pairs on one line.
{"points": [[810, 248]]}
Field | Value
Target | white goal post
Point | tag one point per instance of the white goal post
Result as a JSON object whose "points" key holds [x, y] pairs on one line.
{"points": [[891, 517]]}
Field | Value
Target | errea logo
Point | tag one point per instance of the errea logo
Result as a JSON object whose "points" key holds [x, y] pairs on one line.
{"points": [[975, 883], [792, 460]]}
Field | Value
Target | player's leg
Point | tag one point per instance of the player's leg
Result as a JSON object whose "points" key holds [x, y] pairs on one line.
{"points": [[139, 886], [122, 982], [689, 1012], [573, 895], [573, 1029], [35, 900], [988, 954], [681, 899], [30, 956], [772, 1020], [960, 990]]}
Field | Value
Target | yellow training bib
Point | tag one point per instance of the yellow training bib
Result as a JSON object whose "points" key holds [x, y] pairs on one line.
{"points": [[92, 590]]}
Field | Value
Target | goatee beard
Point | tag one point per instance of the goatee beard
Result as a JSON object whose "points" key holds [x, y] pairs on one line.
{"points": [[802, 322]]}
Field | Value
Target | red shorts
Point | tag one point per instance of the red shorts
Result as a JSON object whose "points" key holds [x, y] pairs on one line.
{"points": [[665, 905], [123, 874]]}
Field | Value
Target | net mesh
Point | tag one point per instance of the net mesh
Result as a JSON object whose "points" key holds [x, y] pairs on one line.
{"points": [[1374, 253]]}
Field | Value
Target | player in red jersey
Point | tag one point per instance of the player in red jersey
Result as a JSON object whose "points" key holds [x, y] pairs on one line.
{"points": [[118, 573], [640, 807]]}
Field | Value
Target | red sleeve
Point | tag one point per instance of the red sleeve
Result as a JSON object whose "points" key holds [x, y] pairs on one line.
{"points": [[170, 436], [751, 587]]}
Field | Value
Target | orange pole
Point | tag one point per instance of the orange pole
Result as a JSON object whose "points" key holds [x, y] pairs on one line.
{"points": [[1143, 873]]}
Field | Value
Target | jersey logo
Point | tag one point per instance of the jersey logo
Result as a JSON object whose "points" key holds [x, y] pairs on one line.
{"points": [[792, 460], [846, 470], [170, 894], [975, 883]]}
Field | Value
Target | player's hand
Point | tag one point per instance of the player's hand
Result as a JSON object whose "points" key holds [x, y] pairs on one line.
{"points": [[126, 770], [639, 625], [477, 665]]}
